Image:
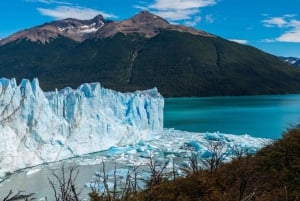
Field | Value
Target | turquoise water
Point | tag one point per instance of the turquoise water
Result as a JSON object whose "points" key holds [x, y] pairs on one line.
{"points": [[259, 116]]}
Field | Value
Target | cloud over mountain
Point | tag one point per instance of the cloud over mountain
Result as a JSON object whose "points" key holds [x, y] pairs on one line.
{"points": [[62, 12], [176, 10], [289, 25]]}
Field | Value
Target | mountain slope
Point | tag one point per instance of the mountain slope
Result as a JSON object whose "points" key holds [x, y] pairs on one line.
{"points": [[144, 52]]}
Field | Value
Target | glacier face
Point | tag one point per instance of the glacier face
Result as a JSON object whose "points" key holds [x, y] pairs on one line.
{"points": [[38, 127]]}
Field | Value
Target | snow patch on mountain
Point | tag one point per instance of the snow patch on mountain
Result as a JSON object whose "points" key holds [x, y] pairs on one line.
{"points": [[82, 29], [291, 60], [91, 28], [38, 127]]}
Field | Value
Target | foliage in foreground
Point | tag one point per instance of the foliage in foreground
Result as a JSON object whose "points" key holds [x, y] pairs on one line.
{"points": [[273, 174]]}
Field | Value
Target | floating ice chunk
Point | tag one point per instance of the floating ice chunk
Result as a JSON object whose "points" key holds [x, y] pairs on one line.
{"points": [[33, 171]]}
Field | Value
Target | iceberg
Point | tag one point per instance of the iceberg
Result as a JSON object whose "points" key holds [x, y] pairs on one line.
{"points": [[39, 127]]}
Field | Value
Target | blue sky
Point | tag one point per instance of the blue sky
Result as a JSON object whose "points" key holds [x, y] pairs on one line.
{"points": [[270, 25]]}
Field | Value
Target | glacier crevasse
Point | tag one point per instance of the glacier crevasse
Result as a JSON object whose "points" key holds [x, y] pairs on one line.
{"points": [[38, 127]]}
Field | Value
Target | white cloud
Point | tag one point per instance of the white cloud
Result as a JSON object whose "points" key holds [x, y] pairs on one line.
{"points": [[193, 22], [62, 12], [268, 40], [209, 19], [178, 15], [50, 2], [275, 21], [54, 1], [290, 15], [140, 7], [178, 10], [292, 35], [290, 26], [181, 4], [239, 41]]}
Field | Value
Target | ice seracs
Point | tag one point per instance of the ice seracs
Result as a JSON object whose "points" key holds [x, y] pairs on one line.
{"points": [[38, 127]]}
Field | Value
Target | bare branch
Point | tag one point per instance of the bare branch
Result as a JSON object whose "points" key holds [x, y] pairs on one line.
{"points": [[18, 196], [64, 188]]}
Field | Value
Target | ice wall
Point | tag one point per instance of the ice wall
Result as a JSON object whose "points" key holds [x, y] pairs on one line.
{"points": [[38, 127]]}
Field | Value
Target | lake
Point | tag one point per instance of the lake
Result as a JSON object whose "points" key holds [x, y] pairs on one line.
{"points": [[259, 116]]}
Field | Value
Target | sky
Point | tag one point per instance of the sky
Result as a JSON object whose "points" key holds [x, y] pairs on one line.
{"points": [[270, 25]]}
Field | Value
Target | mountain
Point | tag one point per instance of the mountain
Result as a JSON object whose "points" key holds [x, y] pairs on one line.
{"points": [[291, 60], [70, 123], [144, 23], [77, 30], [143, 52]]}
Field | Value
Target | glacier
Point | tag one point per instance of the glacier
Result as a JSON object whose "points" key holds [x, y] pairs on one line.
{"points": [[39, 127]]}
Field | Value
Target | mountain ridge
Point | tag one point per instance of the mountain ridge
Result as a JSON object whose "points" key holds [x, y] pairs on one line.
{"points": [[77, 30], [143, 52], [144, 23]]}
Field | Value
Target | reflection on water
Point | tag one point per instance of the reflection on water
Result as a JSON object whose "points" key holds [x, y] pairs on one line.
{"points": [[260, 116]]}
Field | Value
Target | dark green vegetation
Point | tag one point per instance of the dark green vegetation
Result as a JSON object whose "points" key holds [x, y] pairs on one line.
{"points": [[177, 63]]}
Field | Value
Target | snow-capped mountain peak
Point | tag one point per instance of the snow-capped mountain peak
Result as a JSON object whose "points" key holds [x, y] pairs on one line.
{"points": [[291, 60], [74, 26], [74, 29], [144, 23]]}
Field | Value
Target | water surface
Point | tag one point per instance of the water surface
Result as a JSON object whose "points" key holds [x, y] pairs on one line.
{"points": [[259, 116]]}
